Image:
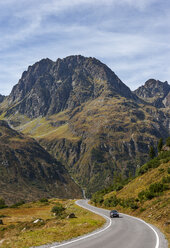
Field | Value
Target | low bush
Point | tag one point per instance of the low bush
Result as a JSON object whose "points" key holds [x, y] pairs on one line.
{"points": [[157, 187], [58, 209], [166, 179], [153, 163], [168, 141], [113, 201], [17, 204], [44, 200], [164, 156], [2, 204], [154, 189], [97, 197], [142, 209], [2, 216], [129, 203]]}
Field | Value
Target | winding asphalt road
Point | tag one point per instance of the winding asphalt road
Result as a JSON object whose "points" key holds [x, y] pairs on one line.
{"points": [[123, 232]]}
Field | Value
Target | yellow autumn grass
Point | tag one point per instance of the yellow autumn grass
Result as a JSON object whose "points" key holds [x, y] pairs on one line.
{"points": [[19, 231]]}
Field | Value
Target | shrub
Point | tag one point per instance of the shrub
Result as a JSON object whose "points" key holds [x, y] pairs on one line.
{"points": [[2, 203], [129, 203], [158, 187], [44, 200], [155, 162], [168, 141], [97, 197], [160, 144], [149, 195], [17, 204], [111, 202], [119, 187], [2, 216], [164, 155], [151, 152], [141, 195], [155, 189], [142, 209], [166, 179], [58, 209]]}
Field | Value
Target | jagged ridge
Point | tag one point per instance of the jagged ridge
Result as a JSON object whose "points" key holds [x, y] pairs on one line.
{"points": [[49, 87]]}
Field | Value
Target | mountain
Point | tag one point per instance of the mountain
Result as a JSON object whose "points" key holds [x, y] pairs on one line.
{"points": [[85, 117], [155, 92], [28, 172], [48, 87]]}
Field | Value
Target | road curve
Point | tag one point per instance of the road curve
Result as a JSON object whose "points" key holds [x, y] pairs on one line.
{"points": [[123, 232]]}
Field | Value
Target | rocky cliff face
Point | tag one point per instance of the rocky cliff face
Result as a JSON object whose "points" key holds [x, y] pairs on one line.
{"points": [[82, 114], [28, 172], [49, 87], [155, 92]]}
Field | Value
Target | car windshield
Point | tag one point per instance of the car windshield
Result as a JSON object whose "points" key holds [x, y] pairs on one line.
{"points": [[114, 211]]}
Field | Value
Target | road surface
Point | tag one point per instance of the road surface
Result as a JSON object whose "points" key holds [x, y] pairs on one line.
{"points": [[123, 232]]}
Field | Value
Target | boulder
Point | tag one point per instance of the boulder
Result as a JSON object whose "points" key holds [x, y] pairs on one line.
{"points": [[37, 221], [70, 216]]}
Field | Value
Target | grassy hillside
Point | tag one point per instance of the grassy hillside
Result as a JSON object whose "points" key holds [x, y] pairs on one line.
{"points": [[48, 128], [147, 196], [20, 230], [28, 172]]}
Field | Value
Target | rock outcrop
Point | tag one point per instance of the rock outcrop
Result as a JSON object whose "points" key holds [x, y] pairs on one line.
{"points": [[1, 98]]}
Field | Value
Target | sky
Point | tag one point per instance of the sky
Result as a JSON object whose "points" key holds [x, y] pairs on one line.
{"points": [[132, 37]]}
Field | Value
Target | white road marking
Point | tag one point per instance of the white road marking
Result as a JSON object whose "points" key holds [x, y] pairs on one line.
{"points": [[89, 235], [156, 234]]}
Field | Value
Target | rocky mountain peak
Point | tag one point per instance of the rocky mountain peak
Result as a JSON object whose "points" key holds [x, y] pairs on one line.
{"points": [[49, 87], [156, 92]]}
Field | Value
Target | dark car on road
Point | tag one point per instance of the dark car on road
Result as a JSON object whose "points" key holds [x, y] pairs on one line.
{"points": [[114, 213]]}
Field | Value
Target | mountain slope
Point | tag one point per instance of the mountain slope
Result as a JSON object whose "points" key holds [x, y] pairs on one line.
{"points": [[28, 172], [102, 137]]}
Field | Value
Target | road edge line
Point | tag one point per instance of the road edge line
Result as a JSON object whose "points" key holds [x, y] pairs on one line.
{"points": [[88, 235], [156, 234]]}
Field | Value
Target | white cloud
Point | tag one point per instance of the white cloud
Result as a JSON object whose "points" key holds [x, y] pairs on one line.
{"points": [[130, 45]]}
